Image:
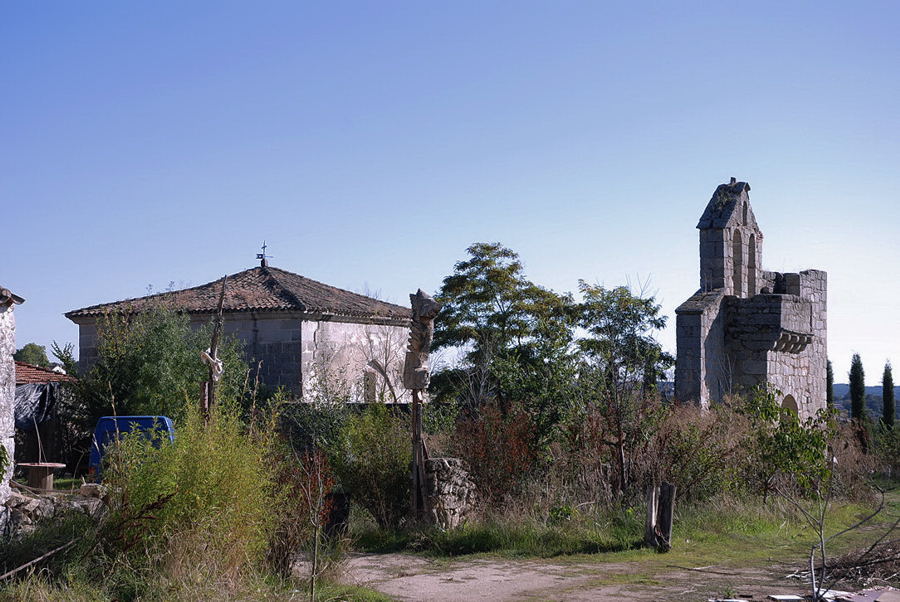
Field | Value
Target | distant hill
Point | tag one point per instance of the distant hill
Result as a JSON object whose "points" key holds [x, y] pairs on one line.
{"points": [[873, 398]]}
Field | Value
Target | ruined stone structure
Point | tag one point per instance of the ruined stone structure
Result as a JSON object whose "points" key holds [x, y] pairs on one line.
{"points": [[7, 393], [306, 336], [746, 326], [451, 493]]}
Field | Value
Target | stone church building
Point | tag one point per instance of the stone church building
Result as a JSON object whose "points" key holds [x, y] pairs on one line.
{"points": [[746, 326], [308, 337]]}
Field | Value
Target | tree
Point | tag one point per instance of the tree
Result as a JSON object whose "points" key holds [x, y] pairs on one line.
{"points": [[857, 389], [149, 363], [888, 409], [623, 363], [829, 384], [33, 354], [65, 355], [514, 335]]}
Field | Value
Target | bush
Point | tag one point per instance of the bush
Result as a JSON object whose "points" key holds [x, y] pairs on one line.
{"points": [[149, 364], [196, 509], [372, 460], [498, 449], [700, 452]]}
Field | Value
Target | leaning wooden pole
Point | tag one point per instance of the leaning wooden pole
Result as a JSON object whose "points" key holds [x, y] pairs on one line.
{"points": [[211, 357]]}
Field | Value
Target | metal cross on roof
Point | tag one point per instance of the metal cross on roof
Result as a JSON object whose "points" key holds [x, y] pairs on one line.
{"points": [[262, 256]]}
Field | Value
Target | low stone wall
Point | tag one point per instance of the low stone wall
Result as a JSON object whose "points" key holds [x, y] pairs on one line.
{"points": [[451, 492]]}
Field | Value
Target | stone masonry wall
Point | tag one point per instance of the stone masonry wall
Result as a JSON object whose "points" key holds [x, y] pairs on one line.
{"points": [[745, 326], [303, 354], [7, 401], [273, 339], [335, 361], [702, 370]]}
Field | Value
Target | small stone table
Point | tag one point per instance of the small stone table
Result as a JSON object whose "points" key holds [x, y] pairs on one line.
{"points": [[40, 474]]}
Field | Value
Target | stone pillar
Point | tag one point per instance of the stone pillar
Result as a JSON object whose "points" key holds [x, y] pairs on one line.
{"points": [[7, 393]]}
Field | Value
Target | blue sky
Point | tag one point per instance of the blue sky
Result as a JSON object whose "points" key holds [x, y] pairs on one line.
{"points": [[371, 143]]}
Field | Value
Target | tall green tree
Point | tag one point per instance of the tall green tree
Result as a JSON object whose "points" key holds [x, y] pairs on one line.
{"points": [[515, 337], [623, 363], [857, 388], [829, 384], [33, 354], [888, 408]]}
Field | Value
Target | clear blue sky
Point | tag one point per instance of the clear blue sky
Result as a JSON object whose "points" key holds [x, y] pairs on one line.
{"points": [[371, 143]]}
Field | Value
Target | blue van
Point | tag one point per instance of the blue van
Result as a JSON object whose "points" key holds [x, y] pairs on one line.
{"points": [[109, 426]]}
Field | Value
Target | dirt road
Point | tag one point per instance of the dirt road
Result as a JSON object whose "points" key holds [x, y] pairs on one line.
{"points": [[408, 577]]}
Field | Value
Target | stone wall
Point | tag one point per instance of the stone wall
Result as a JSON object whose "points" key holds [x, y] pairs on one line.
{"points": [[7, 401], [702, 371], [451, 493], [336, 356], [302, 352]]}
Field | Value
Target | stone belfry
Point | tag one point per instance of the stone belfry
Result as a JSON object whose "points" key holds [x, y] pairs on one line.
{"points": [[746, 327], [730, 242]]}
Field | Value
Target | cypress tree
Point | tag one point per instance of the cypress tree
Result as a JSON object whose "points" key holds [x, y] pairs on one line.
{"points": [[887, 397], [829, 384], [857, 389]]}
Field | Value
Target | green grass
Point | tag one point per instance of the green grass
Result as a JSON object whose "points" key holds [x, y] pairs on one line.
{"points": [[66, 483], [725, 530], [508, 538]]}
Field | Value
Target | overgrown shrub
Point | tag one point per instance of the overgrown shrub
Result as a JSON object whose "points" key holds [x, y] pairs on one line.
{"points": [[700, 452], [196, 509], [372, 459], [498, 449], [149, 363]]}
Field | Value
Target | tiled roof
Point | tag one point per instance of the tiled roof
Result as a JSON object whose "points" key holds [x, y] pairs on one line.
{"points": [[258, 289], [27, 374]]}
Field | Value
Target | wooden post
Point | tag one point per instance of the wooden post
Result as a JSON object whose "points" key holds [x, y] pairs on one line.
{"points": [[208, 398], [660, 515], [666, 515], [650, 522], [418, 456]]}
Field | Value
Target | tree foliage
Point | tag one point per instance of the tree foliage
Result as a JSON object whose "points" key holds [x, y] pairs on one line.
{"points": [[857, 388], [515, 337], [149, 363], [33, 354], [829, 383], [888, 408]]}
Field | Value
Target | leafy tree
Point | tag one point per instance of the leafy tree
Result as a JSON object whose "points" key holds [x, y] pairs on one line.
{"points": [[33, 354], [829, 384], [623, 364], [620, 341], [149, 363], [65, 355], [515, 336], [887, 397], [857, 388]]}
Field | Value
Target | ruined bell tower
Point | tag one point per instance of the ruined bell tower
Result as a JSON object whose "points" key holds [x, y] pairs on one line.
{"points": [[730, 242], [745, 326]]}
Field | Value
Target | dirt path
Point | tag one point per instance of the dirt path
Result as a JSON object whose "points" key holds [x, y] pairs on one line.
{"points": [[407, 577]]}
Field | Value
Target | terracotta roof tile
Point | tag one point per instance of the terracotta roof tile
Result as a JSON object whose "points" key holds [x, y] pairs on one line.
{"points": [[27, 374], [260, 289]]}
